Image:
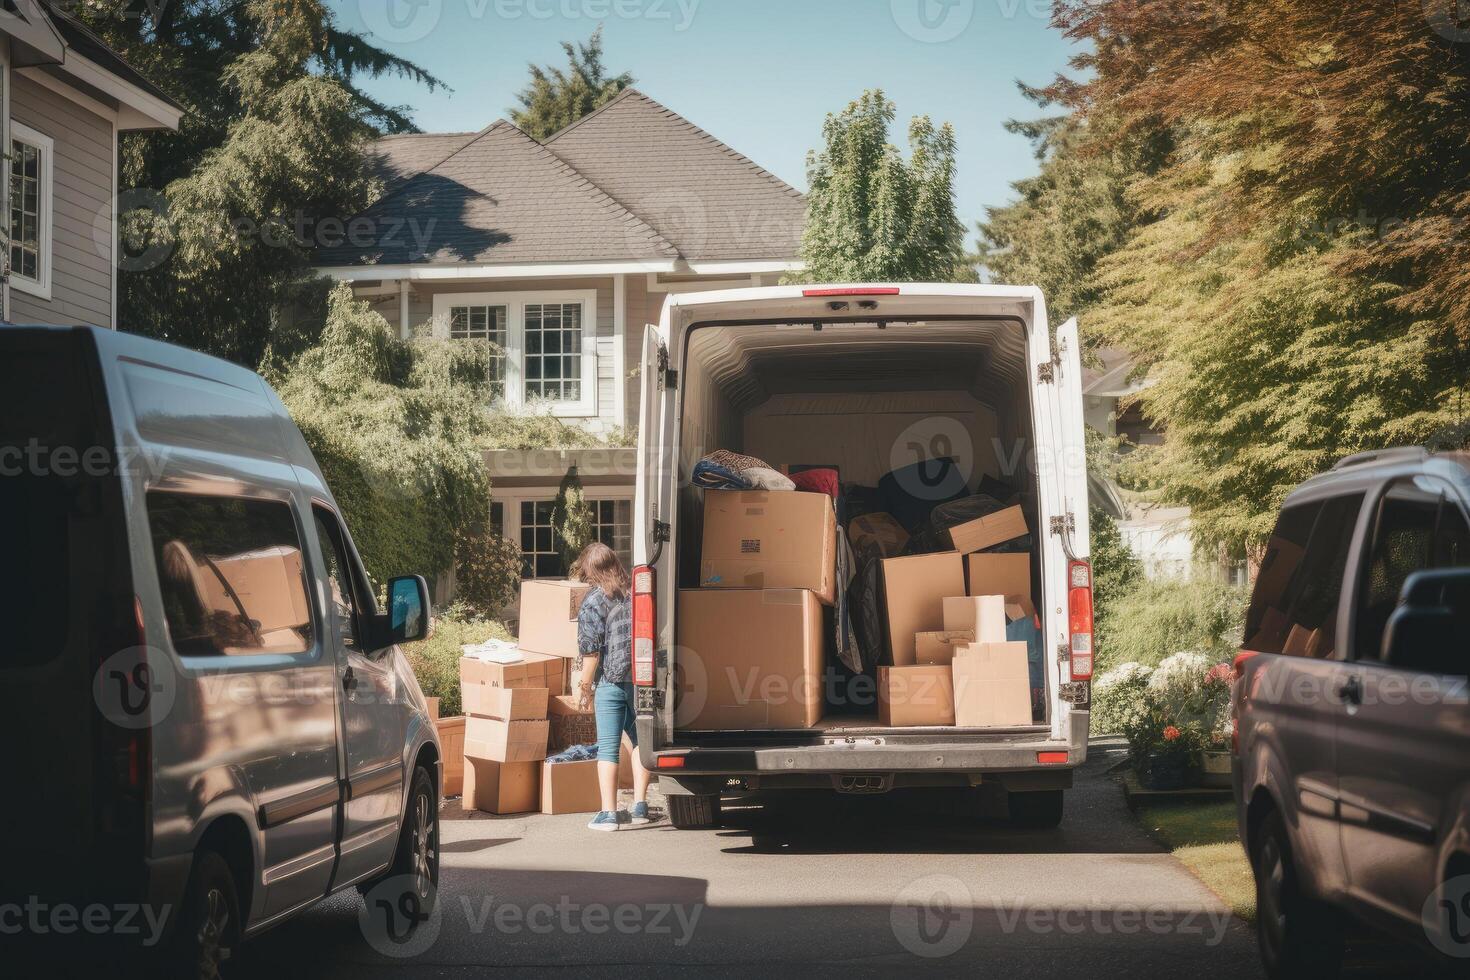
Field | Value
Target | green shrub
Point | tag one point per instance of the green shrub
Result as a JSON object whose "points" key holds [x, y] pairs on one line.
{"points": [[487, 572], [1153, 620], [435, 661]]}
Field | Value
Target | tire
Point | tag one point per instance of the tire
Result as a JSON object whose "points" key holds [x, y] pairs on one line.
{"points": [[694, 812], [1298, 936], [206, 941], [1039, 810], [416, 860]]}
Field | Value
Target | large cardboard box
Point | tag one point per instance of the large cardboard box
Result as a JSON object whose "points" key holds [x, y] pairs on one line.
{"points": [[988, 531], [992, 685], [500, 787], [1008, 575], [569, 724], [536, 670], [504, 703], [758, 539], [505, 741], [915, 696], [984, 615], [939, 646], [570, 787], [914, 589], [748, 659], [548, 613]]}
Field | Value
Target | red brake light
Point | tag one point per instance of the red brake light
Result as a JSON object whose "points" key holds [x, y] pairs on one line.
{"points": [[1051, 758], [643, 626], [851, 291], [1079, 618], [670, 762]]}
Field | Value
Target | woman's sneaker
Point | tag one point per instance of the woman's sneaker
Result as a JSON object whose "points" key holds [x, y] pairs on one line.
{"points": [[605, 820], [640, 815]]}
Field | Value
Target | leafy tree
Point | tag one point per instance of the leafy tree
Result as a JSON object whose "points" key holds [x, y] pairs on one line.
{"points": [[571, 518], [395, 426], [268, 155], [554, 99], [871, 215]]}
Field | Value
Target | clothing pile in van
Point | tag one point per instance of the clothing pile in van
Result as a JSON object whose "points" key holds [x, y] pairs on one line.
{"points": [[519, 712], [756, 641]]}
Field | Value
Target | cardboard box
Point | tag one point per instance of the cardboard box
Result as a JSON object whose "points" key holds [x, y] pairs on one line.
{"points": [[915, 696], [749, 659], [988, 531], [504, 703], [451, 742], [984, 615], [548, 614], [500, 787], [758, 539], [938, 646], [915, 588], [569, 726], [992, 685], [536, 670], [505, 741], [1001, 574], [570, 787]]}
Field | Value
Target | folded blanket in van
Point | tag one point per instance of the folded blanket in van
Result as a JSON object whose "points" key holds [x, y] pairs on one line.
{"points": [[713, 476], [765, 478]]}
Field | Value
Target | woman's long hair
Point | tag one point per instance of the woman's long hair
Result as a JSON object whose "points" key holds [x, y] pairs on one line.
{"points": [[599, 565]]}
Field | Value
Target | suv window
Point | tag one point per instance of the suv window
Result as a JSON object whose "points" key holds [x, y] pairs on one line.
{"points": [[1419, 526], [231, 573], [1299, 587]]}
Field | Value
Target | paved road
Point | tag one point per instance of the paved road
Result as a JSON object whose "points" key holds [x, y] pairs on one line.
{"points": [[829, 886]]}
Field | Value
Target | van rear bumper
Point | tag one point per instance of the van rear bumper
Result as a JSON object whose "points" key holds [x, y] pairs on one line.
{"points": [[969, 758]]}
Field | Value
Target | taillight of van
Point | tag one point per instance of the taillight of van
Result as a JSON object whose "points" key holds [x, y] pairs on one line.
{"points": [[644, 619], [1079, 618]]}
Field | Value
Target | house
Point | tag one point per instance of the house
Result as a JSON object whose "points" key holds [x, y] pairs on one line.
{"points": [[560, 252], [64, 98]]}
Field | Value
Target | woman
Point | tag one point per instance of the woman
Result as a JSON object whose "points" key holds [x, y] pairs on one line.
{"points": [[605, 678]]}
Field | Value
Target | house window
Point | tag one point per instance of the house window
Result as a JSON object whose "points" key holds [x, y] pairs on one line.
{"points": [[497, 517], [484, 323], [540, 557], [612, 524], [548, 347], [554, 352], [30, 210]]}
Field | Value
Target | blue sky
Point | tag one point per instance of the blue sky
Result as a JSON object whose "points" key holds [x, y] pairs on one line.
{"points": [[759, 74]]}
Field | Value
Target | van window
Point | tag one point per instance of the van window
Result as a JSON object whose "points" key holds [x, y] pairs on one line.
{"points": [[1419, 526], [232, 575], [342, 593], [1299, 587]]}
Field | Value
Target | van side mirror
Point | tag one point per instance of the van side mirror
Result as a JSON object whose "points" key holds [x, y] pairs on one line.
{"points": [[1426, 631], [407, 618]]}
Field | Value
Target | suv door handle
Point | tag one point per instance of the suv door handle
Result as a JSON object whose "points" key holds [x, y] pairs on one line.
{"points": [[1351, 690], [349, 680]]}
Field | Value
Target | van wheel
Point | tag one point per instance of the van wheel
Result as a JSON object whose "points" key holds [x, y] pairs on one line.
{"points": [[1040, 810], [694, 812], [415, 867], [207, 939], [1298, 935]]}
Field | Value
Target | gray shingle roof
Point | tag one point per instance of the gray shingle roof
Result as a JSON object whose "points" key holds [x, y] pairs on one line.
{"points": [[710, 201], [501, 197], [632, 180]]}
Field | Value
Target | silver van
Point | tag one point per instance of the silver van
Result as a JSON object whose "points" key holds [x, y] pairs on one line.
{"points": [[209, 723], [1352, 722]]}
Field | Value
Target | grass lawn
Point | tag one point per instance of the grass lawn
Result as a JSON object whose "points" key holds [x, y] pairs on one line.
{"points": [[1203, 837]]}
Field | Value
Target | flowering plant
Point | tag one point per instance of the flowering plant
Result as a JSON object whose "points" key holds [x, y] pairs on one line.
{"points": [[1180, 707]]}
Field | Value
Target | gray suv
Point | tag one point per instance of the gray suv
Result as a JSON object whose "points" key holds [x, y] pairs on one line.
{"points": [[1352, 725]]}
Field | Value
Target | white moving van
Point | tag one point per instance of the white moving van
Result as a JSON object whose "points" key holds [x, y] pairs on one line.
{"points": [[870, 378]]}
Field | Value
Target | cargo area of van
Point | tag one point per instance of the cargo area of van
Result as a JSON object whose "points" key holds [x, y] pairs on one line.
{"points": [[925, 423]]}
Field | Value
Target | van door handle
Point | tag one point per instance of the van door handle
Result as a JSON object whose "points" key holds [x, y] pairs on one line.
{"points": [[349, 681], [1351, 690]]}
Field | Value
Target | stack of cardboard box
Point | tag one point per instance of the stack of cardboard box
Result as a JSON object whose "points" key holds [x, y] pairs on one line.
{"points": [[951, 663], [751, 636]]}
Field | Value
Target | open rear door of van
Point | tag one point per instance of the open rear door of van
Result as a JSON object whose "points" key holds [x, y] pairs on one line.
{"points": [[1069, 472], [653, 580]]}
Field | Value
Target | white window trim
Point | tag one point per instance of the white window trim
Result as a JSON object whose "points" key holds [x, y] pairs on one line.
{"points": [[515, 334], [513, 497], [39, 287]]}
